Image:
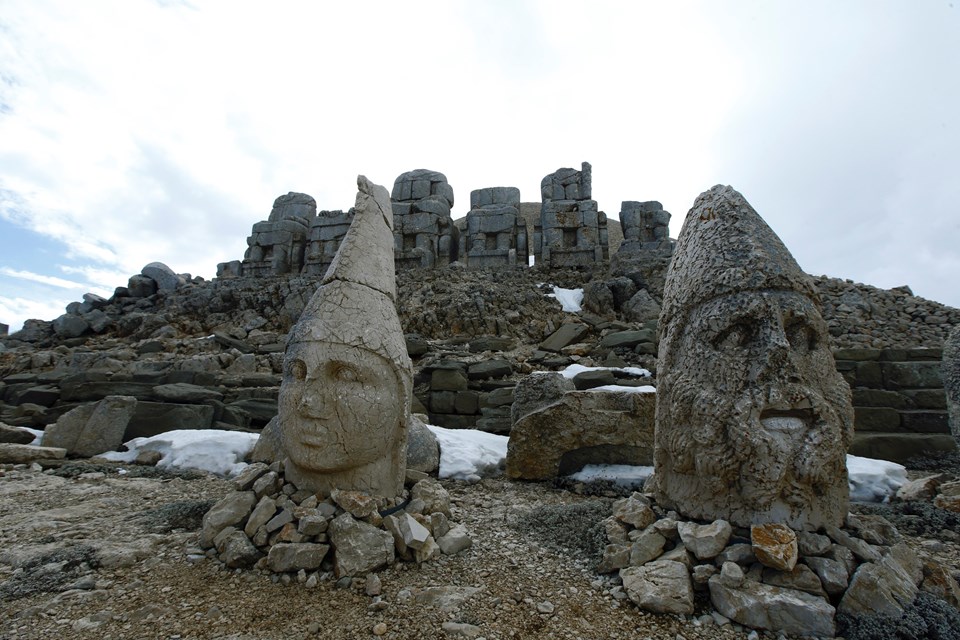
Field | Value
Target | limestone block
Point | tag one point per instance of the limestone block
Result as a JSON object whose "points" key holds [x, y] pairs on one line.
{"points": [[359, 547], [11, 453], [231, 510], [661, 586], [236, 550], [581, 427], [705, 541], [883, 588], [567, 334], [634, 510], [434, 497], [801, 578], [92, 429], [832, 573], [775, 609], [296, 556], [163, 275], [646, 547], [775, 545], [14, 435]]}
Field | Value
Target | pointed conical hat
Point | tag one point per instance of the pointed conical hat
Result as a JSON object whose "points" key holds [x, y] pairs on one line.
{"points": [[725, 247], [355, 304]]}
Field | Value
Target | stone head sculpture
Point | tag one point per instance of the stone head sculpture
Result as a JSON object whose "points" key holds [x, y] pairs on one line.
{"points": [[753, 421], [345, 393]]}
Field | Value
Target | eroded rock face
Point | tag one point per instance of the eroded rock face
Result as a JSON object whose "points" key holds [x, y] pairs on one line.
{"points": [[344, 397], [753, 420]]}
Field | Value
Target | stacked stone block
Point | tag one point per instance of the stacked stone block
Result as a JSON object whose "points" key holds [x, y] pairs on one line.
{"points": [[423, 230], [899, 402], [326, 232], [469, 396], [646, 248], [496, 235], [277, 246], [572, 231]]}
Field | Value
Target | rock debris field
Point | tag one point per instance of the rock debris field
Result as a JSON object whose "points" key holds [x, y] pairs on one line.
{"points": [[89, 552]]}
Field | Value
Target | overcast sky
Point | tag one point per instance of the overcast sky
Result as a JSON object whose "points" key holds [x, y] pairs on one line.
{"points": [[138, 131]]}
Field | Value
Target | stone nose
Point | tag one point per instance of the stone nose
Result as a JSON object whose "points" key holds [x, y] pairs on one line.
{"points": [[312, 404], [775, 360]]}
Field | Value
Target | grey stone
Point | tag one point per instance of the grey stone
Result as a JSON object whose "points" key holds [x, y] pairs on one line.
{"points": [[187, 393], [153, 418], [567, 334], [705, 541], [634, 510], [245, 479], [455, 540], [882, 588], [231, 510], [812, 544], [537, 391], [753, 418], [860, 549], [832, 573], [70, 326], [423, 450], [489, 369], [163, 275], [286, 557], [775, 609], [262, 513], [140, 286], [739, 553], [434, 497], [236, 550], [800, 578], [660, 586], [92, 429], [14, 435], [627, 338], [359, 547], [646, 547], [615, 556], [592, 379], [11, 453]]}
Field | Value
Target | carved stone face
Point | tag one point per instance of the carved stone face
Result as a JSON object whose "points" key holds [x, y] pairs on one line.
{"points": [[339, 406], [754, 419]]}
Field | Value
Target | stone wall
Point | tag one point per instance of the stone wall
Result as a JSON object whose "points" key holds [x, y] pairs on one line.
{"points": [[899, 402]]}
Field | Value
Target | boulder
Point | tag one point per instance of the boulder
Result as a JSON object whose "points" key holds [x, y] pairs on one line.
{"points": [[25, 454], [634, 510], [92, 429], [579, 428], [163, 275], [567, 334], [776, 609], [14, 435], [423, 450], [774, 545], [286, 557], [883, 588], [537, 391], [359, 547], [231, 510], [183, 392], [661, 586], [705, 541]]}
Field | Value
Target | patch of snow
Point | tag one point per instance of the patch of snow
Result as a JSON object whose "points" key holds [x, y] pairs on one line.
{"points": [[874, 480], [531, 259], [469, 452], [576, 369], [37, 435], [570, 299], [621, 474], [211, 450], [625, 389]]}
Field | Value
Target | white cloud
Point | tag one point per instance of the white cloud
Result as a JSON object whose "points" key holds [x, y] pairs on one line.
{"points": [[42, 279]]}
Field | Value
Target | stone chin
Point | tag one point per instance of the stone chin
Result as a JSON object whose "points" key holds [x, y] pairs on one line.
{"points": [[771, 454]]}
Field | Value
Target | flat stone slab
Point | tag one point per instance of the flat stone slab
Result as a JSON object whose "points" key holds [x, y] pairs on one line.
{"points": [[11, 453]]}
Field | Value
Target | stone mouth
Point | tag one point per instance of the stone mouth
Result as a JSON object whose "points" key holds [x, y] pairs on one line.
{"points": [[787, 420]]}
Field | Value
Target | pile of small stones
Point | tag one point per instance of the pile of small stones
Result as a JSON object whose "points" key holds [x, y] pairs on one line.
{"points": [[269, 524], [769, 576]]}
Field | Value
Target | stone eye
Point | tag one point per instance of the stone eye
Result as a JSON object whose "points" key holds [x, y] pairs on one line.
{"points": [[298, 370], [739, 335], [802, 336], [345, 373]]}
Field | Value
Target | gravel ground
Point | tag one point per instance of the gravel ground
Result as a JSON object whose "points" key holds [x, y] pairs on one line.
{"points": [[107, 556]]}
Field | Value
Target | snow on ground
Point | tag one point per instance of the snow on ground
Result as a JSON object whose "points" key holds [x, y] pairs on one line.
{"points": [[622, 387], [212, 450], [569, 299], [874, 480], [575, 369], [622, 474], [463, 453], [469, 452]]}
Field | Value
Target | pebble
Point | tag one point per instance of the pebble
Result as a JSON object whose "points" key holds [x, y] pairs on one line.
{"points": [[380, 628], [546, 607]]}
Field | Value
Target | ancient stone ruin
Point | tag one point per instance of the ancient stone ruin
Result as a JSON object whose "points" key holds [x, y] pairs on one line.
{"points": [[572, 231], [327, 231], [495, 235], [646, 248], [277, 246], [423, 230], [951, 379], [753, 419]]}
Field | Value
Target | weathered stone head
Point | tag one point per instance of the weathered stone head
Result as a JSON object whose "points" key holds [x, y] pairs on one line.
{"points": [[345, 395], [753, 421]]}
